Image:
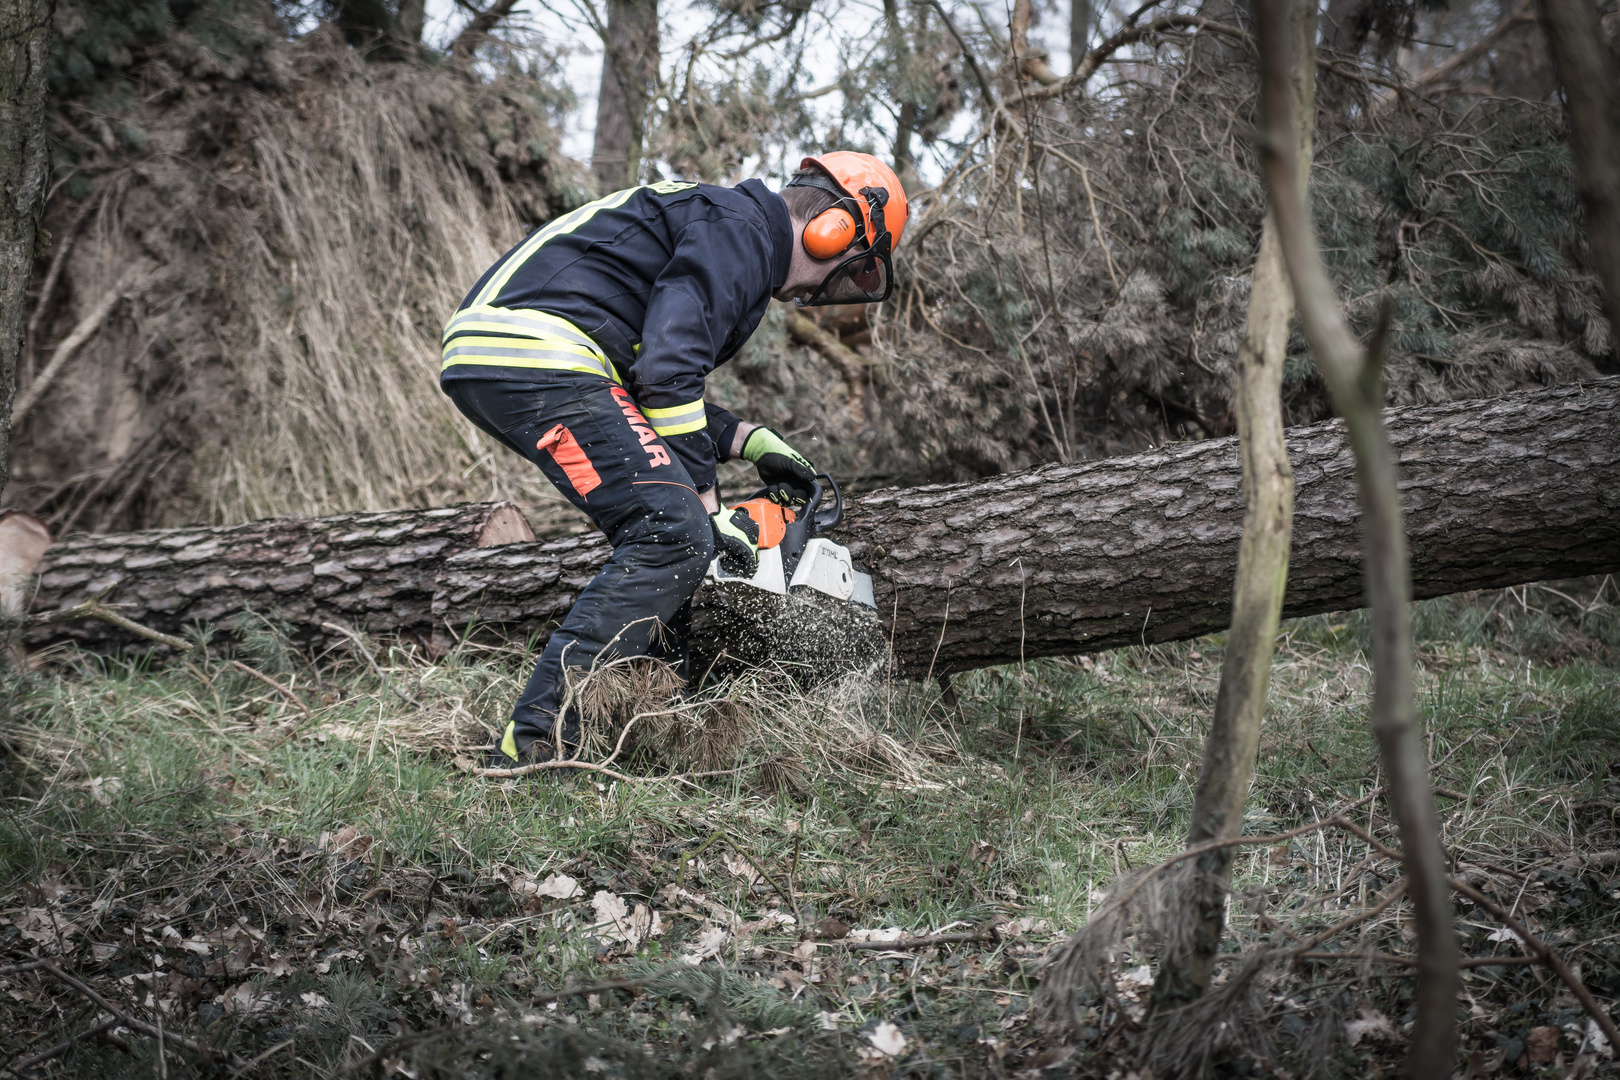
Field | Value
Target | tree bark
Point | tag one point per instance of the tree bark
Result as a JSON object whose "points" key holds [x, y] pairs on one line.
{"points": [[1141, 549], [1227, 768], [1591, 81], [1095, 555], [25, 44], [1082, 17], [629, 74], [1355, 379], [376, 570], [1102, 554]]}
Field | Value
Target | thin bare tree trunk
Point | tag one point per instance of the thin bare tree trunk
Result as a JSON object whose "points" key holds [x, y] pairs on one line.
{"points": [[1354, 378], [629, 73], [1257, 593], [1592, 101], [25, 43], [1082, 17]]}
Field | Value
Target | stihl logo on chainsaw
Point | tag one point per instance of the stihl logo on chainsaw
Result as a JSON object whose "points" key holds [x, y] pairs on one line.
{"points": [[656, 454]]}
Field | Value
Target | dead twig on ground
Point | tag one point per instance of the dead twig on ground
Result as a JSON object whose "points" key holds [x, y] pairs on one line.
{"points": [[139, 1026], [95, 609], [1546, 956], [21, 1067], [922, 942], [272, 684], [127, 284]]}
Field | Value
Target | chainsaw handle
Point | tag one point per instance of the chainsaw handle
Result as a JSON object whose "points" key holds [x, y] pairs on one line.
{"points": [[830, 517], [825, 518]]}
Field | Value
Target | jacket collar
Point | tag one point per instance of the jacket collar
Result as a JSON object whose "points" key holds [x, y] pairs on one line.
{"points": [[779, 226]]}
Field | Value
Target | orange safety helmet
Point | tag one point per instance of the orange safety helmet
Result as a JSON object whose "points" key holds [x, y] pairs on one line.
{"points": [[866, 187]]}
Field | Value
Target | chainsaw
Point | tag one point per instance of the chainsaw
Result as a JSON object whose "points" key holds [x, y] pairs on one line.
{"points": [[791, 554]]}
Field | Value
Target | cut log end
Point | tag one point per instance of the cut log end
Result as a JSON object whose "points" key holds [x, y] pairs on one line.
{"points": [[506, 524], [24, 539]]}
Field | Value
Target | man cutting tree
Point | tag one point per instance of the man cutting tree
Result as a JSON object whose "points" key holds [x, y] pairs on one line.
{"points": [[585, 349]]}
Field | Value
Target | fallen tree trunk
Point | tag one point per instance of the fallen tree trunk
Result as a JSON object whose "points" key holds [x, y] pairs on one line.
{"points": [[378, 570], [1141, 549], [1058, 560]]}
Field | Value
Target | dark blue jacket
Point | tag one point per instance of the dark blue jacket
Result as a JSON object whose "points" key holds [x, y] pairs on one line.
{"points": [[667, 280]]}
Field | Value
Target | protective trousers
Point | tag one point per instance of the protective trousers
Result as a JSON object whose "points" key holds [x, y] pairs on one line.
{"points": [[589, 438]]}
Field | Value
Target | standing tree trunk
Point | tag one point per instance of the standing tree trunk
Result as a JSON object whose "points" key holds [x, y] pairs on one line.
{"points": [[629, 74], [1592, 101], [25, 45], [1081, 18], [1355, 380], [1262, 577]]}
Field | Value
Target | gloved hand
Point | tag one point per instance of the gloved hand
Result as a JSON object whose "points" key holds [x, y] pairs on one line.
{"points": [[780, 466], [736, 540]]}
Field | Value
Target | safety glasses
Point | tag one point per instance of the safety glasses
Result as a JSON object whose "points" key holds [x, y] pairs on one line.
{"points": [[863, 278]]}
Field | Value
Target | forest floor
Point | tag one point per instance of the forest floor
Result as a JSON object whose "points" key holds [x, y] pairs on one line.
{"points": [[311, 883]]}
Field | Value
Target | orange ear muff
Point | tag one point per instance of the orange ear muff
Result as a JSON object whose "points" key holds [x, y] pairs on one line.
{"points": [[829, 234]]}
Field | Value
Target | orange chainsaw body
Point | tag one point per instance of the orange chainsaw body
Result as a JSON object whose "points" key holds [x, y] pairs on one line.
{"points": [[772, 520]]}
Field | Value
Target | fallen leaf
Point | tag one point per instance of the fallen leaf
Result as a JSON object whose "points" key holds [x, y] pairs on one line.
{"points": [[707, 943], [1372, 1025], [1598, 1041], [612, 915], [104, 789], [243, 1000], [1134, 982], [555, 887], [887, 1039], [346, 843], [314, 1000], [831, 929], [1542, 1045], [741, 867]]}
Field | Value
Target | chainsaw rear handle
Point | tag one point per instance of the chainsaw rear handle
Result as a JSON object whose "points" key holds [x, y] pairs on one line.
{"points": [[825, 518]]}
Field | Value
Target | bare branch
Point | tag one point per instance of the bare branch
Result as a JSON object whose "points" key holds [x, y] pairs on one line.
{"points": [[1546, 956], [478, 29], [94, 609], [1130, 35]]}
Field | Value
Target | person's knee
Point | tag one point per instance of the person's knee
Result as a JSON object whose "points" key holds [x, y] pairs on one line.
{"points": [[692, 539], [676, 546]]}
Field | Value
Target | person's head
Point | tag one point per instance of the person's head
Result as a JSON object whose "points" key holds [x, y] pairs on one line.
{"points": [[848, 212]]}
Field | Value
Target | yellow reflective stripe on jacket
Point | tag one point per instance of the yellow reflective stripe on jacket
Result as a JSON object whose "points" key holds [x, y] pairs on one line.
{"points": [[679, 420], [565, 224], [514, 337], [529, 323]]}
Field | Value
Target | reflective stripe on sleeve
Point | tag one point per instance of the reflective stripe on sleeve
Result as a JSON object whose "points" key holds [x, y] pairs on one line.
{"points": [[679, 420]]}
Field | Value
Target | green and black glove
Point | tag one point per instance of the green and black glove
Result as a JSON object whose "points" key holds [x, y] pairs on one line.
{"points": [[780, 466], [736, 541]]}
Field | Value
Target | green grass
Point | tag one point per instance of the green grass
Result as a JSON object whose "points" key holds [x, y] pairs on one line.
{"points": [[340, 897]]}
